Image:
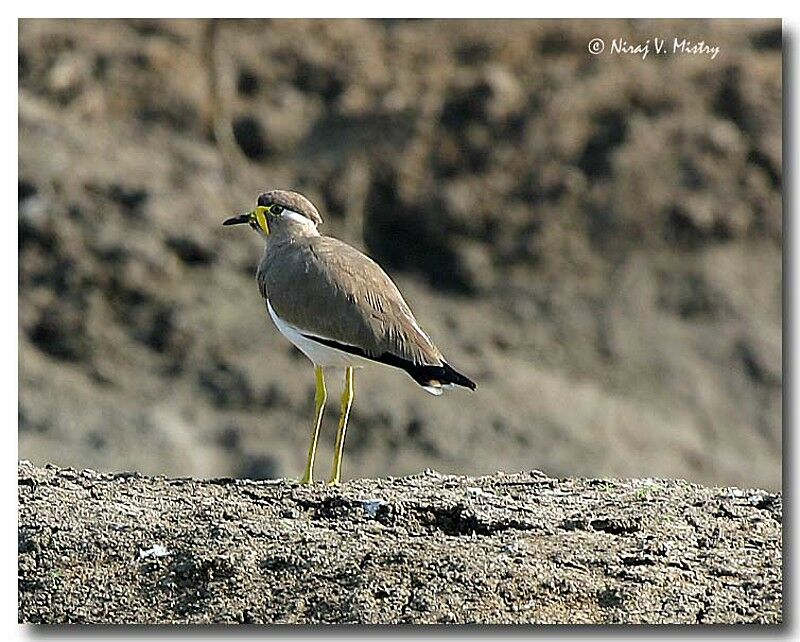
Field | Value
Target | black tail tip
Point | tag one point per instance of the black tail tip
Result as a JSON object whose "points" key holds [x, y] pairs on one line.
{"points": [[451, 375]]}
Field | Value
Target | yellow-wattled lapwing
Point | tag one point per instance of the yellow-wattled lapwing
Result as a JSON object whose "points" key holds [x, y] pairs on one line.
{"points": [[338, 307]]}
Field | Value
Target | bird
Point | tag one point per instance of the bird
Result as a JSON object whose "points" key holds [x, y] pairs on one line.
{"points": [[338, 307]]}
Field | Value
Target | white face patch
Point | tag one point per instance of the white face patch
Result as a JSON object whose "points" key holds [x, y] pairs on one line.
{"points": [[298, 218]]}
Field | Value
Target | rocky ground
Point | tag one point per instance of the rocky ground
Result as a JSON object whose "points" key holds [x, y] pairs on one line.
{"points": [[430, 548], [596, 240]]}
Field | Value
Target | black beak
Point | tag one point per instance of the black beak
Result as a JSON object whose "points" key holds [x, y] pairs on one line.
{"points": [[238, 220]]}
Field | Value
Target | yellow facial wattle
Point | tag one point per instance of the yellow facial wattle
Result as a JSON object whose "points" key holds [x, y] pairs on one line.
{"points": [[261, 218]]}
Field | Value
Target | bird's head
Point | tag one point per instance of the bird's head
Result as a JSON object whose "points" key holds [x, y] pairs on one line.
{"points": [[280, 212]]}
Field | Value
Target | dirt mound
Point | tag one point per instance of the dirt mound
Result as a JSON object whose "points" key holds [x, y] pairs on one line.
{"points": [[425, 549], [596, 240]]}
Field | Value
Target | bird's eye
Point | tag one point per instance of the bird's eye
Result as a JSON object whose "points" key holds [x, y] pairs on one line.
{"points": [[276, 209]]}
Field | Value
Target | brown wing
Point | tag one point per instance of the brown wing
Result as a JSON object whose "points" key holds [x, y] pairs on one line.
{"points": [[328, 289]]}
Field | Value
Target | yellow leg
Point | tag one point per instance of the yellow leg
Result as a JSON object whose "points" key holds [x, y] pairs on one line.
{"points": [[347, 401], [319, 400]]}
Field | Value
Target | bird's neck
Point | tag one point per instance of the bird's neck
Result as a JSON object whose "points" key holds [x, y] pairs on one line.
{"points": [[290, 232], [274, 243]]}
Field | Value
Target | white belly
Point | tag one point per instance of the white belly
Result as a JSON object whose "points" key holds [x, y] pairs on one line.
{"points": [[320, 355]]}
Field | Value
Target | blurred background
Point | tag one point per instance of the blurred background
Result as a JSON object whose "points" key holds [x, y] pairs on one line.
{"points": [[596, 240]]}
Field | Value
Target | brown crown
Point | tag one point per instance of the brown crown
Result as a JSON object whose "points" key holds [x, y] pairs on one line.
{"points": [[291, 201]]}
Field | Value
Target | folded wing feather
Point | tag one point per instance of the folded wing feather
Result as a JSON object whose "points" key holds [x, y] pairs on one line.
{"points": [[330, 290]]}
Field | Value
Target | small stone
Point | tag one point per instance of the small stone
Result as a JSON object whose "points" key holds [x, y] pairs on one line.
{"points": [[157, 550], [372, 506]]}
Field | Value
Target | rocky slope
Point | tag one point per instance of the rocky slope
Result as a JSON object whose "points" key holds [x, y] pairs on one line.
{"points": [[596, 240], [429, 548]]}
